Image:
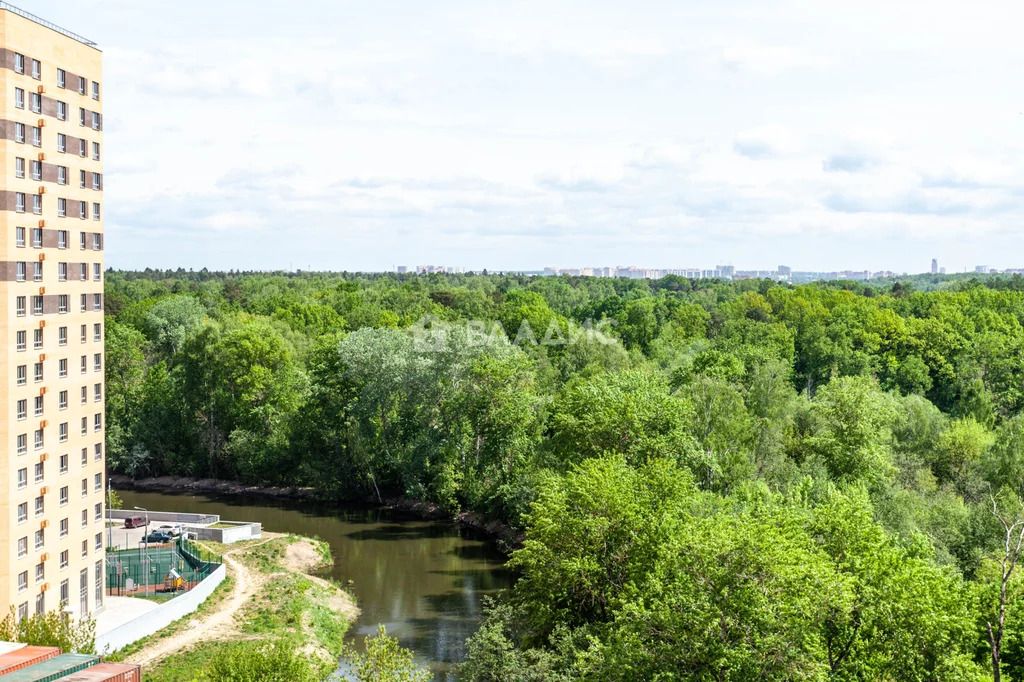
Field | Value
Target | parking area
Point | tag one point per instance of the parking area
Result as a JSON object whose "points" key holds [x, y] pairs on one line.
{"points": [[130, 538]]}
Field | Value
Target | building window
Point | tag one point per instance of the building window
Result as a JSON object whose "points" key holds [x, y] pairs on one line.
{"points": [[37, 136], [19, 98], [81, 85], [19, 202], [62, 175], [62, 111], [37, 237], [22, 443], [35, 102], [85, 455], [19, 305], [22, 375], [63, 528], [62, 272], [38, 371], [22, 478], [22, 407], [62, 78], [95, 211], [40, 574], [85, 426], [19, 133], [97, 512], [63, 432], [85, 492], [95, 151], [98, 544], [95, 91], [37, 203], [37, 69], [95, 120], [37, 406], [62, 400], [83, 586], [84, 301], [37, 171], [96, 241], [95, 272], [83, 333], [20, 340], [81, 116], [22, 546], [64, 561], [83, 210], [62, 306], [20, 271], [62, 368], [37, 337], [97, 301], [62, 207], [97, 451], [37, 309], [81, 148], [22, 586], [19, 236], [97, 483], [37, 439], [19, 63], [37, 271], [19, 167], [62, 239], [97, 392], [40, 538], [97, 332], [97, 365], [62, 142], [63, 464], [40, 507], [96, 181], [97, 423], [81, 244], [64, 496], [23, 512], [39, 470], [85, 364]]}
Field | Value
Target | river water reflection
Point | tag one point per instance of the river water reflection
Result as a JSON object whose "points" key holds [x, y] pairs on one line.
{"points": [[424, 580]]}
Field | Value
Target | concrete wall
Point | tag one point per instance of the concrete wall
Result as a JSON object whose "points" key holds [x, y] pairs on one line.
{"points": [[236, 533], [161, 617], [165, 517]]}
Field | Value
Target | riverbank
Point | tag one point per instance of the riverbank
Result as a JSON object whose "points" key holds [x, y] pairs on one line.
{"points": [[507, 537], [269, 598]]}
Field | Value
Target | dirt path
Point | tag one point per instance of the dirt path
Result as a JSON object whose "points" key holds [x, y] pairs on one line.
{"points": [[220, 622]]}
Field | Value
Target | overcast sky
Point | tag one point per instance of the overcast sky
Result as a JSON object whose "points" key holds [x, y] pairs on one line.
{"points": [[363, 135]]}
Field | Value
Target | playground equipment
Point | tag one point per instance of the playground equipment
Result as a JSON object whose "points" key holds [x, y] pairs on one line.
{"points": [[173, 582]]}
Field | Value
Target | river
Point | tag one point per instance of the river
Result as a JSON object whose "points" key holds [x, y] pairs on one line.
{"points": [[424, 580]]}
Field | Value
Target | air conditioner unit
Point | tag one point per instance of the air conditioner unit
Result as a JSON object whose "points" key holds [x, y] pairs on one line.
{"points": [[42, 424], [41, 89], [44, 524], [44, 490], [45, 556], [42, 223], [42, 256], [45, 587], [42, 156], [42, 122], [42, 391], [42, 357], [42, 290], [43, 457]]}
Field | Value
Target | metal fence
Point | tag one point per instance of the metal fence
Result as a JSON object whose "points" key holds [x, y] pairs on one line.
{"points": [[174, 568]]}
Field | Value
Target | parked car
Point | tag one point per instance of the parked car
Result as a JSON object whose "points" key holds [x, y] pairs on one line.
{"points": [[172, 530], [158, 538], [135, 522]]}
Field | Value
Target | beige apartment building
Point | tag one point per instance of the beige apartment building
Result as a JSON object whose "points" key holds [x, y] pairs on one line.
{"points": [[51, 308]]}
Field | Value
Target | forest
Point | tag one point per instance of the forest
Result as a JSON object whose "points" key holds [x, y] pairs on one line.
{"points": [[715, 480]]}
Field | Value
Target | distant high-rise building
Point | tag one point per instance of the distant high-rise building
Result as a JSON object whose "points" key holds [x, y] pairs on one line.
{"points": [[942, 271], [785, 270], [402, 269], [935, 266], [983, 269], [53, 535]]}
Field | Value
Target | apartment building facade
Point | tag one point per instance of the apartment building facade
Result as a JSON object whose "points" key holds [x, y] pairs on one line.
{"points": [[52, 393]]}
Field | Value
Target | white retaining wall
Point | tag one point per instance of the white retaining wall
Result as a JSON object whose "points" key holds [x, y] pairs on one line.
{"points": [[176, 517], [235, 533], [161, 617]]}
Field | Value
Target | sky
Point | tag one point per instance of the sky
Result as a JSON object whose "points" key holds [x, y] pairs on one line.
{"points": [[338, 135]]}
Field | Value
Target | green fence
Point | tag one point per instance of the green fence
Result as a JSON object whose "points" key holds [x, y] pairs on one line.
{"points": [[131, 570]]}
